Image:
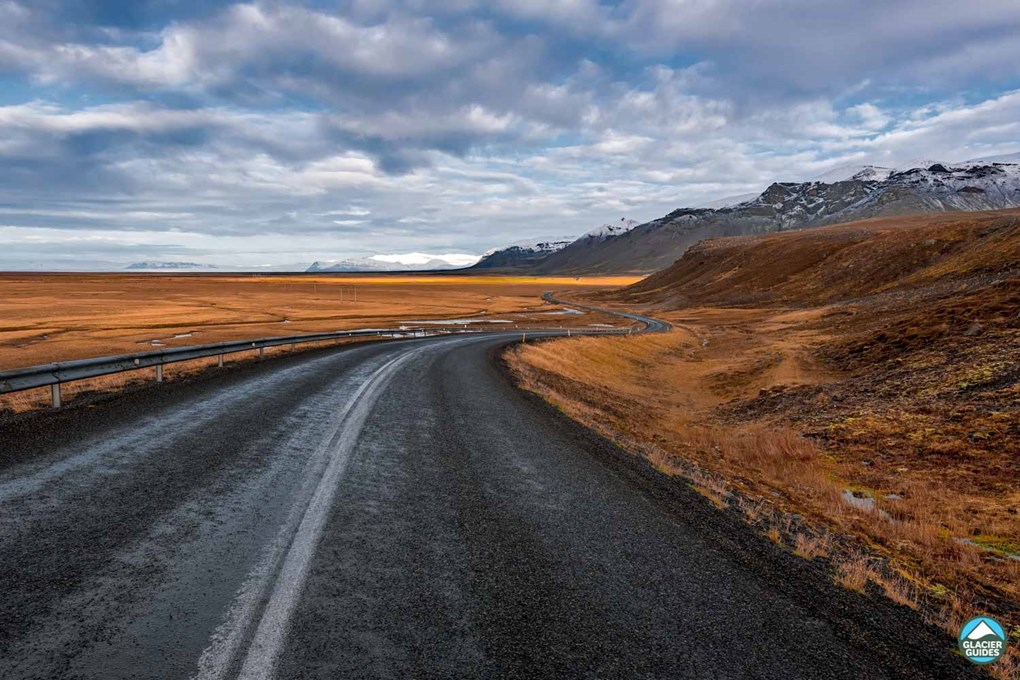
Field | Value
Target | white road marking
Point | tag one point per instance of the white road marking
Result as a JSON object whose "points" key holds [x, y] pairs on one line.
{"points": [[280, 577]]}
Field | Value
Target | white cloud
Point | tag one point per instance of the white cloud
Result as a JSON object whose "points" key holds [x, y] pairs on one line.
{"points": [[457, 125]]}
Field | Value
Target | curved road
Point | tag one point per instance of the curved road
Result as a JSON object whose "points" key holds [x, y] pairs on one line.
{"points": [[391, 511]]}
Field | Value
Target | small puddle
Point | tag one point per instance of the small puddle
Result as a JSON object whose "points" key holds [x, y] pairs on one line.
{"points": [[864, 501], [985, 548], [560, 312], [859, 500]]}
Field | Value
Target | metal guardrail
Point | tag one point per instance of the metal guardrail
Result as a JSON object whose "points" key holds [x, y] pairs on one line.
{"points": [[55, 374]]}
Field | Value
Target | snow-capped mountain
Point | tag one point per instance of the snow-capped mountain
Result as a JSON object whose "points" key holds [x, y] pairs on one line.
{"points": [[610, 230], [359, 264], [377, 263], [600, 237], [867, 191], [521, 254], [865, 173], [551, 252]]}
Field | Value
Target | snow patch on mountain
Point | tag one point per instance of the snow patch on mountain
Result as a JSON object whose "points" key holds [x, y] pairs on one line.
{"points": [[544, 246], [729, 201], [611, 229], [936, 187], [863, 173], [967, 186]]}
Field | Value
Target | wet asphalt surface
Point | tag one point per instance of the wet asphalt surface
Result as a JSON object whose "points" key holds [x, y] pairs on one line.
{"points": [[395, 510]]}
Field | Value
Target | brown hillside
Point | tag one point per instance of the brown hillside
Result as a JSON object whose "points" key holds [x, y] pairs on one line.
{"points": [[838, 263]]}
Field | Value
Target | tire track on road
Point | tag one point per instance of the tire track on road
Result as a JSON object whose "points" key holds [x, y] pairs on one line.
{"points": [[250, 640]]}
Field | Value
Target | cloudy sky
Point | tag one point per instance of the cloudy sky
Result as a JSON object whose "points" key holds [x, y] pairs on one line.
{"points": [[284, 132]]}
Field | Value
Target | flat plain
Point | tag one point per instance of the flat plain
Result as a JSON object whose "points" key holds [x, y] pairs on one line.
{"points": [[60, 317]]}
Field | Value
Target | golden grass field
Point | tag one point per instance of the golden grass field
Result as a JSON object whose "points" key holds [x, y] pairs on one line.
{"points": [[863, 379], [59, 317]]}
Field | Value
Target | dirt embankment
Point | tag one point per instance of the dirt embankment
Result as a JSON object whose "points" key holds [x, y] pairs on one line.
{"points": [[858, 381]]}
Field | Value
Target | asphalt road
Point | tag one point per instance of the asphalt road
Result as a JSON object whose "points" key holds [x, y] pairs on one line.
{"points": [[395, 510]]}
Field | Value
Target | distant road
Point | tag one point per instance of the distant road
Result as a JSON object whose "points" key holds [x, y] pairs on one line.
{"points": [[395, 510]]}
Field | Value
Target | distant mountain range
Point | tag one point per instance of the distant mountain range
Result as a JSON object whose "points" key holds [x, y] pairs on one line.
{"points": [[842, 195], [373, 264], [541, 255], [161, 266]]}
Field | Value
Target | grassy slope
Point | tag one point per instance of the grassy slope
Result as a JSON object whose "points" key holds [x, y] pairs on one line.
{"points": [[878, 358]]}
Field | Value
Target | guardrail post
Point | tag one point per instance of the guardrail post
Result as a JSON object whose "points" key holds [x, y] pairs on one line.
{"points": [[159, 372], [262, 352], [219, 360], [55, 394]]}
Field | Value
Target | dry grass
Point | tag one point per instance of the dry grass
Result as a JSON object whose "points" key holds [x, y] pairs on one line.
{"points": [[752, 510], [709, 486], [56, 317], [59, 317], [898, 589], [811, 546], [854, 571]]}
